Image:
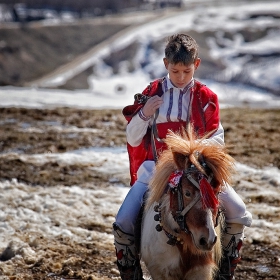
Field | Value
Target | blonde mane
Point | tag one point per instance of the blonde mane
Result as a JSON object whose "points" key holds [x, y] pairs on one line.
{"points": [[184, 149]]}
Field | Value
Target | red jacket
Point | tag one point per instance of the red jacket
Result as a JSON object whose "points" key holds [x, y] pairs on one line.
{"points": [[203, 114]]}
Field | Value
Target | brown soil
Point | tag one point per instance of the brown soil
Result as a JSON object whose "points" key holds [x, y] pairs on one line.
{"points": [[252, 137]]}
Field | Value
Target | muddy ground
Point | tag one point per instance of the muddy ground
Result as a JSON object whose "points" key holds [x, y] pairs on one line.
{"points": [[252, 137]]}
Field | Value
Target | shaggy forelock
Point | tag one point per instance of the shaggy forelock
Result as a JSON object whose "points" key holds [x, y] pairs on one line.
{"points": [[186, 145]]}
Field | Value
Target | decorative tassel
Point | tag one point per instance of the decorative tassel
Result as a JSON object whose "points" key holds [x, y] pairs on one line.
{"points": [[209, 199], [174, 179]]}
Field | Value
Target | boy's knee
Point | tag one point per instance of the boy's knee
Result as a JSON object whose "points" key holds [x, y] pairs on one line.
{"points": [[129, 211], [121, 236], [244, 219], [125, 223]]}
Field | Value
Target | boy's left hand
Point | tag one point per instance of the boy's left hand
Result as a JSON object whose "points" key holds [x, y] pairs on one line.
{"points": [[152, 105]]}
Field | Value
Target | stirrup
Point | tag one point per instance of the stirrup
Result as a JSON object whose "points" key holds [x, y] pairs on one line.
{"points": [[227, 268], [232, 243], [131, 273]]}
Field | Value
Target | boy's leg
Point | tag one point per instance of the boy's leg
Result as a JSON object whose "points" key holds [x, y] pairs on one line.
{"points": [[129, 210], [236, 218], [123, 228]]}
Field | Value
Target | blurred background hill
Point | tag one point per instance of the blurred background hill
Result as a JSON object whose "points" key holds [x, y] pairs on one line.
{"points": [[39, 36], [28, 10]]}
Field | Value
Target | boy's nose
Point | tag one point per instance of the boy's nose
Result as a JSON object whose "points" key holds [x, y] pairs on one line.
{"points": [[181, 77]]}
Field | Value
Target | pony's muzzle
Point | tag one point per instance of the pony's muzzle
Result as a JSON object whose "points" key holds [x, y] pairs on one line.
{"points": [[207, 245]]}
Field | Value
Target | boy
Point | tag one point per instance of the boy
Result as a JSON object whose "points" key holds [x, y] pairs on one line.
{"points": [[170, 103]]}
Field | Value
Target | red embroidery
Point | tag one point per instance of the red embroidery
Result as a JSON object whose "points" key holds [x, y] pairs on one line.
{"points": [[120, 254]]}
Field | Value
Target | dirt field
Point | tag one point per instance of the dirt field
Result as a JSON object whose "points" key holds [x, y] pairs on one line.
{"points": [[251, 135]]}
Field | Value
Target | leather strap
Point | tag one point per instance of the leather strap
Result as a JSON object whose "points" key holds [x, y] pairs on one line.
{"points": [[154, 136]]}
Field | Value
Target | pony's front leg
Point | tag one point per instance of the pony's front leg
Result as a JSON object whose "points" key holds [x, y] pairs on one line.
{"points": [[161, 259]]}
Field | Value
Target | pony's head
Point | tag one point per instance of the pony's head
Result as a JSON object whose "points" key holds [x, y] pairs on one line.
{"points": [[188, 177]]}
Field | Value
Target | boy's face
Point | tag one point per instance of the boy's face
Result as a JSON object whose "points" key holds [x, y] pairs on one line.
{"points": [[180, 74]]}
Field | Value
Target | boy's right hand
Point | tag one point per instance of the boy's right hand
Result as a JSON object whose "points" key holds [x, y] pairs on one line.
{"points": [[152, 105]]}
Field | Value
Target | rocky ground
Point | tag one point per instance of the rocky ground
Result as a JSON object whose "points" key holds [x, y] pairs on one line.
{"points": [[252, 137]]}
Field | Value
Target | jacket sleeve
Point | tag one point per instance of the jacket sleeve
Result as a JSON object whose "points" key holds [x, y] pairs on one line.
{"points": [[131, 110], [211, 111], [136, 130]]}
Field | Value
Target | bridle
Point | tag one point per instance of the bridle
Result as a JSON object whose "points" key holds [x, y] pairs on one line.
{"points": [[177, 191], [176, 194]]}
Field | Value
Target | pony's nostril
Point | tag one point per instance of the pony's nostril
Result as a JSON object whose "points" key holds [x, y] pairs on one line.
{"points": [[215, 240], [202, 241]]}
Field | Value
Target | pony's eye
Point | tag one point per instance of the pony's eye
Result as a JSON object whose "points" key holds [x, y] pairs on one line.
{"points": [[187, 193]]}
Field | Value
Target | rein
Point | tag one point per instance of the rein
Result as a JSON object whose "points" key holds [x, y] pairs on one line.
{"points": [[154, 135]]}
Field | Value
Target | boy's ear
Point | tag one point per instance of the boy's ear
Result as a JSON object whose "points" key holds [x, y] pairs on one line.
{"points": [[197, 63], [165, 61]]}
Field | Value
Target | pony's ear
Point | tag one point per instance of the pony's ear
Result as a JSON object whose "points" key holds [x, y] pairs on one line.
{"points": [[180, 160]]}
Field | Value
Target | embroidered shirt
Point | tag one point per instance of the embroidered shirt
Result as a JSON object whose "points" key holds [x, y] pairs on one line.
{"points": [[175, 107], [176, 102]]}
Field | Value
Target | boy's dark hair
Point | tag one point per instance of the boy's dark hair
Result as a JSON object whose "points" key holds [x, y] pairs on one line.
{"points": [[181, 48]]}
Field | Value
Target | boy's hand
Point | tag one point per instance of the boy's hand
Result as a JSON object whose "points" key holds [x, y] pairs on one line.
{"points": [[152, 105]]}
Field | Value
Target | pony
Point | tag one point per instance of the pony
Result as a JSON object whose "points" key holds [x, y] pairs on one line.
{"points": [[180, 238]]}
